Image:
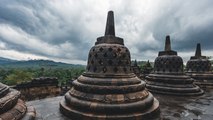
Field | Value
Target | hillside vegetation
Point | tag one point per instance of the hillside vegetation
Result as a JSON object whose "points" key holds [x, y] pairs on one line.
{"points": [[13, 72]]}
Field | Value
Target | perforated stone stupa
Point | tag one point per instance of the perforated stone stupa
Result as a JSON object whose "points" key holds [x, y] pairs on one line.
{"points": [[109, 90], [12, 107], [168, 76], [199, 68]]}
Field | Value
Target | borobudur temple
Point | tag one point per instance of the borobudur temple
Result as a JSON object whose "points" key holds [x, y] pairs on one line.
{"points": [[109, 90], [168, 76], [199, 68]]}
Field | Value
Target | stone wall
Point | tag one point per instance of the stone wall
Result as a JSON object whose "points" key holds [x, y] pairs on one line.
{"points": [[39, 88], [34, 93]]}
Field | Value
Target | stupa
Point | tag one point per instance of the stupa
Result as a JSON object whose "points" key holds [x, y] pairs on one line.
{"points": [[136, 69], [12, 107], [168, 76], [109, 90], [199, 68]]}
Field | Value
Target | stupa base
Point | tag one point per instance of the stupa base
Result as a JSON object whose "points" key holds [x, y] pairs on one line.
{"points": [[179, 85], [174, 91], [202, 79], [150, 113]]}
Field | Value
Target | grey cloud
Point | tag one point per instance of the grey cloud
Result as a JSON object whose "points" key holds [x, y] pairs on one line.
{"points": [[69, 28]]}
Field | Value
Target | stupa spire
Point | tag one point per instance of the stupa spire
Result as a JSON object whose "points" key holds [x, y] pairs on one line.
{"points": [[110, 27], [198, 51], [167, 49], [167, 43]]}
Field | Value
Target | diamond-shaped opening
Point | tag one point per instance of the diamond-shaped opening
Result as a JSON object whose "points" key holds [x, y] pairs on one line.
{"points": [[105, 55], [119, 62], [114, 55], [94, 69], [118, 49], [104, 69], [100, 62], [110, 49], [127, 62], [110, 62], [93, 49], [125, 69], [90, 55], [101, 49], [115, 69], [96, 55], [124, 55], [92, 62]]}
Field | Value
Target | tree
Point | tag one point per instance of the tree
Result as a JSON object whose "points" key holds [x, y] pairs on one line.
{"points": [[18, 76]]}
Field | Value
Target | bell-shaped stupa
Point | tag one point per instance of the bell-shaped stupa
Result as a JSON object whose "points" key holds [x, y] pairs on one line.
{"points": [[12, 107], [109, 90], [199, 68], [168, 76]]}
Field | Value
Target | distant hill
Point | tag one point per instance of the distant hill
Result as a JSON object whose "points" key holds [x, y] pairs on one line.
{"points": [[6, 60], [9, 63]]}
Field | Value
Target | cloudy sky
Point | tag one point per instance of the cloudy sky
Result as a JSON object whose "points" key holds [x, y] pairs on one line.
{"points": [[65, 30]]}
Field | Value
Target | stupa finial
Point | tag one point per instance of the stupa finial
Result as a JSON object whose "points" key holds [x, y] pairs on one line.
{"points": [[167, 43], [135, 63], [110, 27], [198, 51]]}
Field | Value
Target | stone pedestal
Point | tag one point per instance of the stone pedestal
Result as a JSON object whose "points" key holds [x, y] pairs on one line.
{"points": [[109, 90], [168, 76]]}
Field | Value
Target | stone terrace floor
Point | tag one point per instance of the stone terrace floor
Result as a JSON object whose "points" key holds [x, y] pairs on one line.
{"points": [[172, 107]]}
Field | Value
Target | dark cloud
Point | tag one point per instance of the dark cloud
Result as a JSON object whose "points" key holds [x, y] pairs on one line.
{"points": [[66, 30]]}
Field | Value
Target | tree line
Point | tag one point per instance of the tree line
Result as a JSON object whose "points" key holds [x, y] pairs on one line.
{"points": [[20, 75]]}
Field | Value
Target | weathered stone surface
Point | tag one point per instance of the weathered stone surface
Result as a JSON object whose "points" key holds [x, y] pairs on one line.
{"points": [[11, 106], [39, 82], [39, 88], [109, 89], [168, 76], [199, 68]]}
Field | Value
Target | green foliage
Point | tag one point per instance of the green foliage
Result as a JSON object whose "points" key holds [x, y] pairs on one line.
{"points": [[18, 76], [14, 76], [146, 68]]}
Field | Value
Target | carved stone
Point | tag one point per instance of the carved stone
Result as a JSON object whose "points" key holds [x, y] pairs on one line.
{"points": [[12, 107], [168, 76], [199, 68], [109, 90]]}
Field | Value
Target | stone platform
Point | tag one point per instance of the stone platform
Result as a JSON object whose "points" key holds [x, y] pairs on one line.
{"points": [[172, 107]]}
